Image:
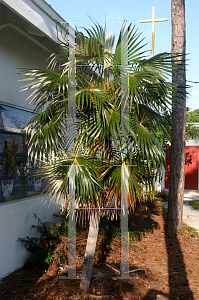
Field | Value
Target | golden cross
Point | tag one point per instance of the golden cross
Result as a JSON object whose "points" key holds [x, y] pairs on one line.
{"points": [[153, 20]]}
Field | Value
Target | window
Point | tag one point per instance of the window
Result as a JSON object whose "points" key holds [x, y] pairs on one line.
{"points": [[16, 171]]}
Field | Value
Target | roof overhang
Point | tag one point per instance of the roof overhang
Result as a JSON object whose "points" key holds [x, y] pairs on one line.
{"points": [[35, 18]]}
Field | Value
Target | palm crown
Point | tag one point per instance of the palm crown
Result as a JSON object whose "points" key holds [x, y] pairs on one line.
{"points": [[96, 141]]}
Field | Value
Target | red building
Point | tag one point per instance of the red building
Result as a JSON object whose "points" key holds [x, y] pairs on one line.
{"points": [[191, 164]]}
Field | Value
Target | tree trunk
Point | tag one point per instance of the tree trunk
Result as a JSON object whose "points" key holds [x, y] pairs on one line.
{"points": [[177, 164], [90, 249]]}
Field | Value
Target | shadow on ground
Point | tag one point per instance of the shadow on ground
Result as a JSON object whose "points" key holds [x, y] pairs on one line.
{"points": [[176, 270]]}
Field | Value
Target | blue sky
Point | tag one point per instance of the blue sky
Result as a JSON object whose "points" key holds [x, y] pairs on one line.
{"points": [[134, 10]]}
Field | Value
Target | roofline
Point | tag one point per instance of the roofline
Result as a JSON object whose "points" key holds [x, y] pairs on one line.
{"points": [[55, 20], [193, 123], [39, 12], [53, 10], [196, 124]]}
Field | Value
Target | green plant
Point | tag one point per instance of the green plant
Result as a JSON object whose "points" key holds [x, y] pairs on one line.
{"points": [[162, 196], [164, 136], [50, 257], [117, 234], [42, 249], [97, 141], [105, 139], [192, 232], [150, 227], [194, 204], [181, 229], [192, 116], [136, 235]]}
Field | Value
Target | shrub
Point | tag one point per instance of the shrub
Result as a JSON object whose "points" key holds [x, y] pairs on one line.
{"points": [[43, 249]]}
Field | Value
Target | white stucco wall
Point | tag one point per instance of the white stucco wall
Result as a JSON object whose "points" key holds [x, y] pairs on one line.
{"points": [[161, 180], [16, 219], [36, 20], [17, 51], [194, 142]]}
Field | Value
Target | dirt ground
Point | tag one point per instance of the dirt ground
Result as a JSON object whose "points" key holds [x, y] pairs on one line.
{"points": [[161, 267]]}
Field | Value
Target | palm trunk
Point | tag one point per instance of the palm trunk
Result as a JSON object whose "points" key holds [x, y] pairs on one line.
{"points": [[177, 165], [90, 249]]}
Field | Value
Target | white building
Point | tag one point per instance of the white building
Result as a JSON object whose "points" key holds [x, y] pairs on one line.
{"points": [[29, 31]]}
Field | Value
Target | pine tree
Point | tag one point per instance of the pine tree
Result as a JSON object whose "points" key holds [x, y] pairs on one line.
{"points": [[176, 186]]}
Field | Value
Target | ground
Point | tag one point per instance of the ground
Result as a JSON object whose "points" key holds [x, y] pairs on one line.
{"points": [[195, 204], [162, 266]]}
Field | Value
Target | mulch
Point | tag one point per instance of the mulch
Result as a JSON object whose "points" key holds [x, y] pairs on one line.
{"points": [[162, 266]]}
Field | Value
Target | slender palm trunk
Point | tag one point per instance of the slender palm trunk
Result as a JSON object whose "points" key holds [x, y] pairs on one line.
{"points": [[176, 185], [90, 249]]}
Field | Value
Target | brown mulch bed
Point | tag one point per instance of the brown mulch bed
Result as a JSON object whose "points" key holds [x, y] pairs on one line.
{"points": [[164, 267]]}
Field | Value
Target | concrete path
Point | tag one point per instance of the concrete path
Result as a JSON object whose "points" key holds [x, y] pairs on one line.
{"points": [[190, 215]]}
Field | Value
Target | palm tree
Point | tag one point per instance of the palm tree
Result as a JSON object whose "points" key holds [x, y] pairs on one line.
{"points": [[94, 142]]}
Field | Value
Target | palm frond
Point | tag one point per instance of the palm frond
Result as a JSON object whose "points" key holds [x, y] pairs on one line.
{"points": [[102, 138]]}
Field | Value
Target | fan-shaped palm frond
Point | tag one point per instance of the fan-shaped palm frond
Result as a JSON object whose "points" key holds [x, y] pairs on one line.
{"points": [[97, 136], [105, 137], [87, 169]]}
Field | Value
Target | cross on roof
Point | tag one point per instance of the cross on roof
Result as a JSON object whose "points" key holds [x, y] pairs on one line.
{"points": [[153, 20]]}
